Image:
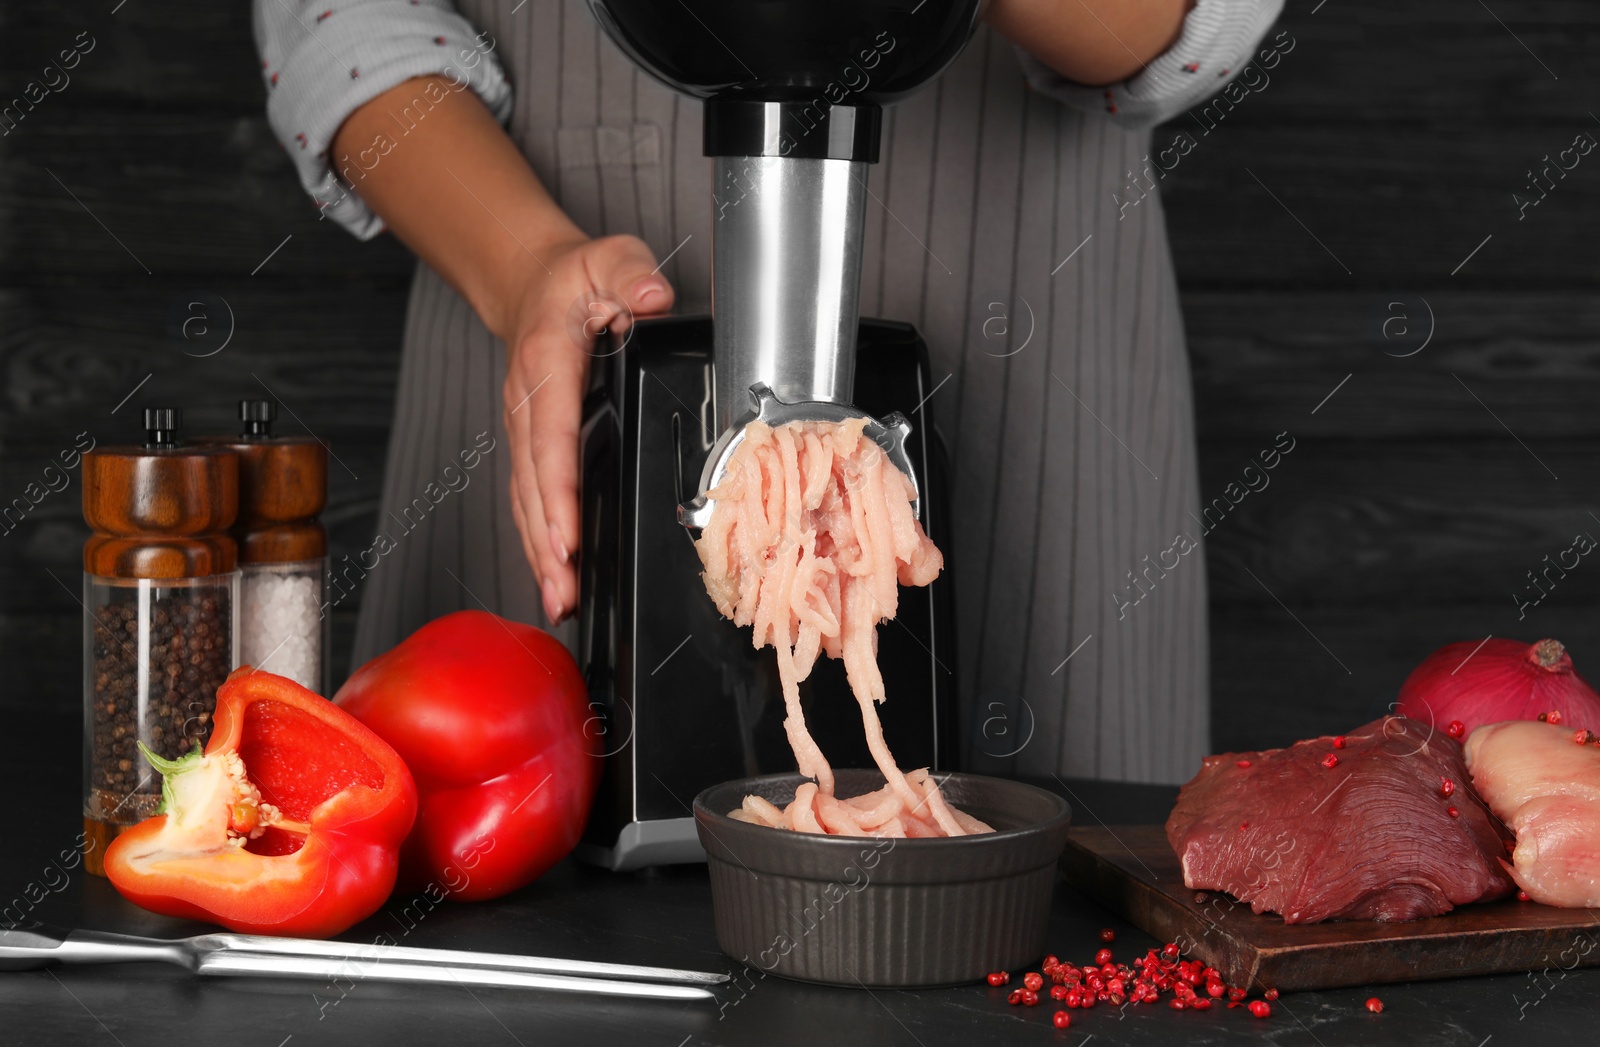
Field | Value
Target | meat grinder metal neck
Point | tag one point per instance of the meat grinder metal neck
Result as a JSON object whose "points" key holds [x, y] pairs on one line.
{"points": [[786, 279]]}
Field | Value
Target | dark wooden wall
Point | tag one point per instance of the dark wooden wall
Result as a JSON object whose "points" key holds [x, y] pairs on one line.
{"points": [[162, 135], [1406, 516]]}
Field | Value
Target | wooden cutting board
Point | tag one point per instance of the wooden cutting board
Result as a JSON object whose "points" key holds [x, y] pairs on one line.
{"points": [[1133, 871]]}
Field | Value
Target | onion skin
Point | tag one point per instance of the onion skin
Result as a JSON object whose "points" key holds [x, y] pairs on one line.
{"points": [[1500, 680]]}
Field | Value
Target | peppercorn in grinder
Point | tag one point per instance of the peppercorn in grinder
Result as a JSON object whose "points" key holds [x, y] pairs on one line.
{"points": [[792, 93]]}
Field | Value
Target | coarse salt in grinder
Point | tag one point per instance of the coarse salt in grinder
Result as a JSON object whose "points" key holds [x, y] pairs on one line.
{"points": [[160, 636], [283, 549]]}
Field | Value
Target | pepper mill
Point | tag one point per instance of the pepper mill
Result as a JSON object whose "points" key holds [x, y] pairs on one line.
{"points": [[283, 548], [159, 632]]}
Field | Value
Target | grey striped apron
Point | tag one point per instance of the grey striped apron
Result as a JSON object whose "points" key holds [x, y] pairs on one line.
{"points": [[1052, 324]]}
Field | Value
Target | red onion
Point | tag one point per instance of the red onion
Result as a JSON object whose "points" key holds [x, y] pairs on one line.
{"points": [[1478, 683]]}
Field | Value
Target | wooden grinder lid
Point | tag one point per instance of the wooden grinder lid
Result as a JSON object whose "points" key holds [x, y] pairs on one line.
{"points": [[161, 510], [283, 486]]}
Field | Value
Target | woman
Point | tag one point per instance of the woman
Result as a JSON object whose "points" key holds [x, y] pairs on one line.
{"points": [[530, 165]]}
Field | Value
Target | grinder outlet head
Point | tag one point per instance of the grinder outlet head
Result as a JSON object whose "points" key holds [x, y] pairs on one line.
{"points": [[889, 434]]}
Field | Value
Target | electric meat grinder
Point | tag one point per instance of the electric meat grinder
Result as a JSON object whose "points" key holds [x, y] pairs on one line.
{"points": [[792, 91]]}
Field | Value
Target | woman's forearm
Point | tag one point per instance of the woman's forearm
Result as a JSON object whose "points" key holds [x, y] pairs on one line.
{"points": [[433, 163], [1093, 42]]}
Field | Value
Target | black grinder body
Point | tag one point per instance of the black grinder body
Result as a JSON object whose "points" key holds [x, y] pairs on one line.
{"points": [[681, 700]]}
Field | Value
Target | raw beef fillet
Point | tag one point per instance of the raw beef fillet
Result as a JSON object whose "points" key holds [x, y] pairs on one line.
{"points": [[1544, 780], [1370, 838]]}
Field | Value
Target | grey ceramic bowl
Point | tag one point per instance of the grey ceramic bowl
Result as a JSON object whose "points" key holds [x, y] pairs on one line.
{"points": [[849, 910]]}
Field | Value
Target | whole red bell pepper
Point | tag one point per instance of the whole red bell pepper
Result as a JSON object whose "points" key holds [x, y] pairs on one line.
{"points": [[290, 822], [490, 716]]}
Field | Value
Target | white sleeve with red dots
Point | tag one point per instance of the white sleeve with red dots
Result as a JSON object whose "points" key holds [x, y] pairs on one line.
{"points": [[324, 59], [1218, 41]]}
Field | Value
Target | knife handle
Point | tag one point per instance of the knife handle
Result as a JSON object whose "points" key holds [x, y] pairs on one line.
{"points": [[29, 946], [38, 945]]}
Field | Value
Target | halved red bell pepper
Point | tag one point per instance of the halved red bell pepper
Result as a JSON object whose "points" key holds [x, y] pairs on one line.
{"points": [[290, 822]]}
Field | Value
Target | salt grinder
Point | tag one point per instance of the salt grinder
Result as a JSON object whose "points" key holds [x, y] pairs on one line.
{"points": [[283, 548], [160, 635]]}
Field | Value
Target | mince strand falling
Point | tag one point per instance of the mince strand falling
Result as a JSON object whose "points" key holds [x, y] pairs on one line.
{"points": [[811, 534]]}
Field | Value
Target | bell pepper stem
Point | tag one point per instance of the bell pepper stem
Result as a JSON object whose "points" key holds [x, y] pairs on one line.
{"points": [[168, 768]]}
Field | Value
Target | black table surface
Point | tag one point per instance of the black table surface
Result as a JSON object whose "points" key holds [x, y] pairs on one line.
{"points": [[660, 917]]}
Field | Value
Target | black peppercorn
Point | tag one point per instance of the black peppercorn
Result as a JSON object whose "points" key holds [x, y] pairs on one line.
{"points": [[187, 658]]}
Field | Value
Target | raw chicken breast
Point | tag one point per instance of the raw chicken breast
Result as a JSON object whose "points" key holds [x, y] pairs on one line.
{"points": [[1369, 838], [811, 535], [1544, 780]]}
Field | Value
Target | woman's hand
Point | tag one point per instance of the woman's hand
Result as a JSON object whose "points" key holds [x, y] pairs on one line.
{"points": [[550, 333], [458, 192]]}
